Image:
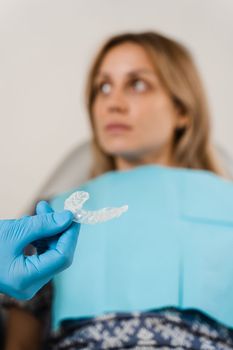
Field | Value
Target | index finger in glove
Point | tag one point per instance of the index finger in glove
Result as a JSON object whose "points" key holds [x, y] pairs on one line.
{"points": [[43, 207]]}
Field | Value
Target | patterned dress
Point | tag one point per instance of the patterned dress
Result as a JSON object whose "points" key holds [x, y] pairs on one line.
{"points": [[160, 329]]}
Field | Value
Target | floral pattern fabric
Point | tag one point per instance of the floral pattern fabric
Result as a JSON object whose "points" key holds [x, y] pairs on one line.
{"points": [[159, 329]]}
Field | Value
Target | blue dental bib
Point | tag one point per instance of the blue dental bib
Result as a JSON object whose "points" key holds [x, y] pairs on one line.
{"points": [[174, 246]]}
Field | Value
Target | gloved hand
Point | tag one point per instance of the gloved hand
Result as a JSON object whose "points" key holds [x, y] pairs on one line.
{"points": [[22, 276]]}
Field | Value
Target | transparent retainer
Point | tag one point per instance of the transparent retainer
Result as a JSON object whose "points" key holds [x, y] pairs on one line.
{"points": [[75, 202]]}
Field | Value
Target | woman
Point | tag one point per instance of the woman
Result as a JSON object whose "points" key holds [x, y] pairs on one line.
{"points": [[146, 106]]}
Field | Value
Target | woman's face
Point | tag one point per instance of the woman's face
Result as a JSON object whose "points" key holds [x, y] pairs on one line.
{"points": [[133, 115]]}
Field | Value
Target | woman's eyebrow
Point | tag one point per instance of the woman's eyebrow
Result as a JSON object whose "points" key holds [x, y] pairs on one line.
{"points": [[102, 75], [148, 72], [132, 73], [141, 71]]}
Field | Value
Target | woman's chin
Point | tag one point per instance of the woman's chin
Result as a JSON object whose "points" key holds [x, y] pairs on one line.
{"points": [[115, 149], [122, 152], [115, 152]]}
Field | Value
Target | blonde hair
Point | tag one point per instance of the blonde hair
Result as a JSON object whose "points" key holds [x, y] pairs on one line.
{"points": [[176, 70]]}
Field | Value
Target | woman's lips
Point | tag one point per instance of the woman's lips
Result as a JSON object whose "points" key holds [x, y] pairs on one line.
{"points": [[117, 127]]}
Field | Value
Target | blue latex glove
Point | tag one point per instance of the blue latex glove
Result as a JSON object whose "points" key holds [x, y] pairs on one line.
{"points": [[22, 276]]}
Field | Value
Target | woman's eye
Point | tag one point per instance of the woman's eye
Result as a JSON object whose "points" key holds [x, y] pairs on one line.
{"points": [[139, 85], [105, 88]]}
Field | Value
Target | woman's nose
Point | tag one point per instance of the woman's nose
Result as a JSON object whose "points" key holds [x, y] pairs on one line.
{"points": [[117, 102]]}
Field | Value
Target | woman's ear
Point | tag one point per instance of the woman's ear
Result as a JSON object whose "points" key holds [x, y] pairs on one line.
{"points": [[183, 121]]}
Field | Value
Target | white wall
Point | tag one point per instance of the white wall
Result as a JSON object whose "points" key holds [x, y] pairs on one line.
{"points": [[46, 47]]}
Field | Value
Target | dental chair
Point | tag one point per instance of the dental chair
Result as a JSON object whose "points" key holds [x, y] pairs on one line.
{"points": [[73, 171]]}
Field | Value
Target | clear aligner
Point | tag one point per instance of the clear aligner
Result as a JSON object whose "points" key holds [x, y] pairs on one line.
{"points": [[75, 202]]}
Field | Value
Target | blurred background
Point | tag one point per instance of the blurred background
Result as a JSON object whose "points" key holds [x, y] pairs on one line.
{"points": [[46, 48]]}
